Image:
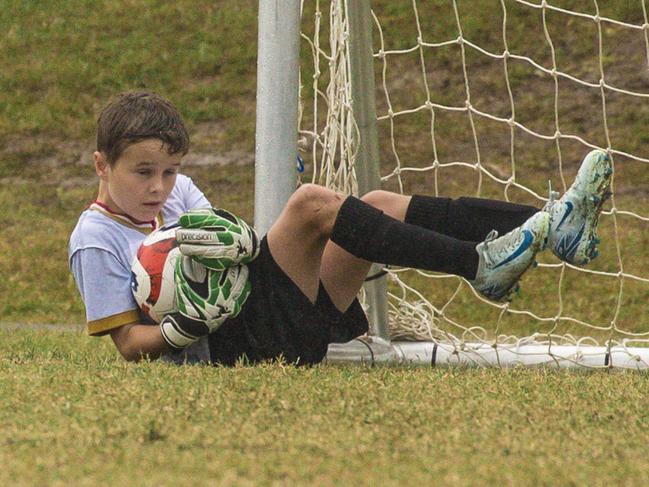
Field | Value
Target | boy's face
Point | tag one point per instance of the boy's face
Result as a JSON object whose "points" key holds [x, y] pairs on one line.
{"points": [[140, 181]]}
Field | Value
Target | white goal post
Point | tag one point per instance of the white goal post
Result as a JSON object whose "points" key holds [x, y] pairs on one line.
{"points": [[488, 104]]}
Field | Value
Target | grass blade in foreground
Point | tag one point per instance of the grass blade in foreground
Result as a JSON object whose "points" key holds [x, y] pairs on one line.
{"points": [[75, 413]]}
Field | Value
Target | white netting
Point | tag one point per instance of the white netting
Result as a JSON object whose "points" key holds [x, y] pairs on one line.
{"points": [[493, 99]]}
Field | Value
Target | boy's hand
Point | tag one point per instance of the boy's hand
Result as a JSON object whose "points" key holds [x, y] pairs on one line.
{"points": [[180, 332], [205, 298], [216, 238]]}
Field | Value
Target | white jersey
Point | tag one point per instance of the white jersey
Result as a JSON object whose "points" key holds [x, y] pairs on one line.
{"points": [[101, 249]]}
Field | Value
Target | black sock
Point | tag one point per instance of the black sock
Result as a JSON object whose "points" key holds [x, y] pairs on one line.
{"points": [[467, 218], [369, 234]]}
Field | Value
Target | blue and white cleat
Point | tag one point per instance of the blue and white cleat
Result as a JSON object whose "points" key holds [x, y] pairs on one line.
{"points": [[574, 217], [504, 260]]}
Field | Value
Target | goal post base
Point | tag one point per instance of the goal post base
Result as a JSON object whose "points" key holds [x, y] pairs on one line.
{"points": [[377, 351]]}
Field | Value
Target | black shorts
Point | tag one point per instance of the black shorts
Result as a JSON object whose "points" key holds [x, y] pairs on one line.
{"points": [[278, 320]]}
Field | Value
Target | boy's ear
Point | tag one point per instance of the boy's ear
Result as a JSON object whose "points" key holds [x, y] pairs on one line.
{"points": [[101, 164]]}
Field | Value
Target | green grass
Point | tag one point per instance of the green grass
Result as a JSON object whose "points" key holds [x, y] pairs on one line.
{"points": [[62, 61], [74, 413]]}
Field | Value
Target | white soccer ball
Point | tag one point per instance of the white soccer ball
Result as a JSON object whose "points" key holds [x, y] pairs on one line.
{"points": [[152, 273]]}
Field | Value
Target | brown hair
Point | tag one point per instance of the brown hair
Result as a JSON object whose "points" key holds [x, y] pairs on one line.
{"points": [[135, 116]]}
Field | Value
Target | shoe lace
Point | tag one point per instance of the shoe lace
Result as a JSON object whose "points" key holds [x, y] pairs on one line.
{"points": [[552, 198], [553, 195], [492, 253], [492, 235]]}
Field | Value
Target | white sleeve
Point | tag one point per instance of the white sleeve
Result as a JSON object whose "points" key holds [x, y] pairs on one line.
{"points": [[105, 287], [194, 197]]}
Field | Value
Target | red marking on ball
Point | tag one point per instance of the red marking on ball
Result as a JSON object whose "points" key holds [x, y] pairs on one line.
{"points": [[153, 258]]}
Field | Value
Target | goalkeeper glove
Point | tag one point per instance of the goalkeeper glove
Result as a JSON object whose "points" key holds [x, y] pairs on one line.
{"points": [[216, 238], [180, 331], [205, 298]]}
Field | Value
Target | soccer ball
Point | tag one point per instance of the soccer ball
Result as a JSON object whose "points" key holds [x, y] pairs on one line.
{"points": [[152, 273]]}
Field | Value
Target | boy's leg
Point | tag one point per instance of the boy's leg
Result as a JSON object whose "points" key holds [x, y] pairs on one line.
{"points": [[343, 274], [297, 239], [445, 233], [467, 218], [301, 234], [314, 214], [364, 234], [574, 217], [299, 242]]}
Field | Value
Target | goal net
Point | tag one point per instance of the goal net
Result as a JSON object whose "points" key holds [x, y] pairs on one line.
{"points": [[495, 99]]}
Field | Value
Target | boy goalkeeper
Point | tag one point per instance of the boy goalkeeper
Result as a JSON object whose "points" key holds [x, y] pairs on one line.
{"points": [[304, 275]]}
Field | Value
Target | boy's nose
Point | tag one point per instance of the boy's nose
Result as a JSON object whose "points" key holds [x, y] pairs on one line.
{"points": [[156, 185]]}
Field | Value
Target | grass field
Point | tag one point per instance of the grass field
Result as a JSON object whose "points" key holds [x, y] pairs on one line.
{"points": [[73, 413]]}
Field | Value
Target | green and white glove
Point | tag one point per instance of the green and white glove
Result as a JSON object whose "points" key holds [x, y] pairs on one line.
{"points": [[205, 298], [180, 332], [216, 238]]}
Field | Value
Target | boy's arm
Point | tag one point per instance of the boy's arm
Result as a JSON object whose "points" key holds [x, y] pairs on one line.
{"points": [[136, 341], [104, 284]]}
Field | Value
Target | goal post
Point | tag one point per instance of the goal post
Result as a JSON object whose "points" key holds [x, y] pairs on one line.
{"points": [[277, 121], [277, 108], [361, 67], [488, 99]]}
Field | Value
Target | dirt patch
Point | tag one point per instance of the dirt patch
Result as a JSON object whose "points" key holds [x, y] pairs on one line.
{"points": [[235, 157], [67, 164]]}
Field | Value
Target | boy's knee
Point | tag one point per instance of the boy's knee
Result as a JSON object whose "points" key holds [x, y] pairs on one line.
{"points": [[392, 204], [315, 205], [311, 198], [378, 198]]}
